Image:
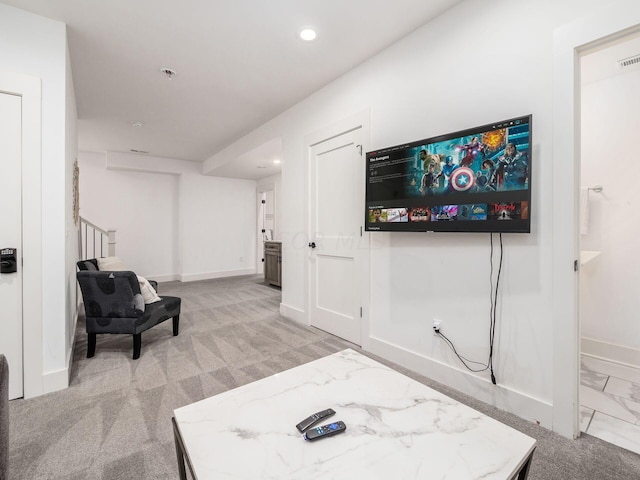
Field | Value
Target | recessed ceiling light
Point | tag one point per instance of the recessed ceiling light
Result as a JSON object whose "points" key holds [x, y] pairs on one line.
{"points": [[307, 34], [168, 72], [136, 124], [276, 161]]}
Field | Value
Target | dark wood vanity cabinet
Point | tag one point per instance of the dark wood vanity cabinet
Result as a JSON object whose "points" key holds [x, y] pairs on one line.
{"points": [[273, 263]]}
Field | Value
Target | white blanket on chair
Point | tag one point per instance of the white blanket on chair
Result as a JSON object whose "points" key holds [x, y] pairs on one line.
{"points": [[114, 264]]}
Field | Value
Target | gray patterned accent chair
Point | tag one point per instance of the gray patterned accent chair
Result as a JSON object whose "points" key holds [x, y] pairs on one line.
{"points": [[113, 304], [4, 418]]}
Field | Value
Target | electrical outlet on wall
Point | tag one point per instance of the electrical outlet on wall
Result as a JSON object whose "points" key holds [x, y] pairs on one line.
{"points": [[241, 259], [437, 324]]}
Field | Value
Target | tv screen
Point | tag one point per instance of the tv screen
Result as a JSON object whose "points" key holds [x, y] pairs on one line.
{"points": [[475, 180]]}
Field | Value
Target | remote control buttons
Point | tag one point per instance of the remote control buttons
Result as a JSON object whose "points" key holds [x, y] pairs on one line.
{"points": [[325, 431]]}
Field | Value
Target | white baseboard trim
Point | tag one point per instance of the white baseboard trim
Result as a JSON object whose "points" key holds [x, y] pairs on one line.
{"points": [[610, 351], [55, 380], [164, 278], [293, 313], [192, 277], [72, 342], [504, 398], [61, 379]]}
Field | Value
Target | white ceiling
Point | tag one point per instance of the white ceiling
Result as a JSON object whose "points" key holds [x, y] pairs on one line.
{"points": [[238, 64]]}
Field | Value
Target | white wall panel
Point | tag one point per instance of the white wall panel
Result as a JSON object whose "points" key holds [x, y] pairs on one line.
{"points": [[36, 46], [217, 226], [141, 207], [480, 62]]}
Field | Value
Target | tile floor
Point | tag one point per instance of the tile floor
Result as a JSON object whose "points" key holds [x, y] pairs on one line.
{"points": [[610, 402]]}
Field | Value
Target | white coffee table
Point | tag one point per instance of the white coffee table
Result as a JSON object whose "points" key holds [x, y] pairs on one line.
{"points": [[397, 429]]}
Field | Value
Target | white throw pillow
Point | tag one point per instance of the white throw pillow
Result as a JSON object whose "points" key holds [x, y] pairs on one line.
{"points": [[111, 264], [114, 264], [148, 292]]}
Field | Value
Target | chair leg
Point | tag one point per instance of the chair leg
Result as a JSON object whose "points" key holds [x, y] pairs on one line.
{"points": [[137, 341], [176, 324], [91, 345]]}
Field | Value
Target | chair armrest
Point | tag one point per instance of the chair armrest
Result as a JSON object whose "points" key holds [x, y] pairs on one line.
{"points": [[90, 264], [111, 294]]}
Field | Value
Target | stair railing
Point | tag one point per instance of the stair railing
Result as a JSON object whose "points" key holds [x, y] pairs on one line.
{"points": [[94, 242]]}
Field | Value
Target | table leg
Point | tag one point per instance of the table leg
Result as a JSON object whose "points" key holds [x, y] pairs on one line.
{"points": [[524, 471], [179, 450]]}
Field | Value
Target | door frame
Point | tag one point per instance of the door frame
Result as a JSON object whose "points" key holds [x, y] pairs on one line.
{"points": [[569, 41], [360, 120], [29, 88], [261, 189]]}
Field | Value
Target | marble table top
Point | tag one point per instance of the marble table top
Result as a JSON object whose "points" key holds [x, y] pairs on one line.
{"points": [[397, 428]]}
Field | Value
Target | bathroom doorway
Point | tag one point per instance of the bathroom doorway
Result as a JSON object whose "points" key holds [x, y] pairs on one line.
{"points": [[609, 232]]}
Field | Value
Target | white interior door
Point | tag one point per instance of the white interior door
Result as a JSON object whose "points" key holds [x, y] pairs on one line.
{"points": [[11, 237], [335, 235]]}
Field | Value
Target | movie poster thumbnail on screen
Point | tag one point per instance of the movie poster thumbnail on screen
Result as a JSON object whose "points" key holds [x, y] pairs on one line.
{"points": [[474, 180]]}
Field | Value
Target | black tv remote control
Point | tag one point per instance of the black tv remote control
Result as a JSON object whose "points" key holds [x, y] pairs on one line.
{"points": [[325, 431], [308, 422]]}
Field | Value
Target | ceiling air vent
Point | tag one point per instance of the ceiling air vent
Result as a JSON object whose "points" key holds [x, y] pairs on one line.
{"points": [[627, 62], [137, 151]]}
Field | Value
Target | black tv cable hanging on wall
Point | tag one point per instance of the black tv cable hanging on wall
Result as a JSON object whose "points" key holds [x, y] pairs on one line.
{"points": [[493, 300]]}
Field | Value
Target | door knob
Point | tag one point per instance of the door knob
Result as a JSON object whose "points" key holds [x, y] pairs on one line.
{"points": [[312, 244]]}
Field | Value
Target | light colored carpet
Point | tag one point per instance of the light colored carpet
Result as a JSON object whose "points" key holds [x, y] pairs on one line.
{"points": [[114, 421]]}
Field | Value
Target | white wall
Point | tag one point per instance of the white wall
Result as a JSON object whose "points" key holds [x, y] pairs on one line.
{"points": [[609, 283], [480, 62], [172, 222], [36, 46], [143, 209], [71, 229], [217, 227]]}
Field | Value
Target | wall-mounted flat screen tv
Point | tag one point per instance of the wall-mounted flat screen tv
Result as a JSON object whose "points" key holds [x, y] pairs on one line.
{"points": [[475, 180]]}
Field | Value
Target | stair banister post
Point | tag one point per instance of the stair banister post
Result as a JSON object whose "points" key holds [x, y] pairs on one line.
{"points": [[111, 242]]}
